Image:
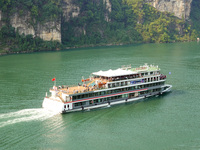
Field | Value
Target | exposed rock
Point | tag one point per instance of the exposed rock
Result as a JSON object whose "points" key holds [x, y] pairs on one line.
{"points": [[69, 10], [180, 8], [1, 22], [50, 31], [21, 23], [109, 8], [47, 31]]}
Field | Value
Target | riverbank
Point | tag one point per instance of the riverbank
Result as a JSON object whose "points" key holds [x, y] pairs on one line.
{"points": [[63, 47], [6, 51]]}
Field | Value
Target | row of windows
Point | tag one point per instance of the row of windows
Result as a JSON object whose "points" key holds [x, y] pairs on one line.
{"points": [[116, 90], [132, 76], [133, 82], [107, 99]]}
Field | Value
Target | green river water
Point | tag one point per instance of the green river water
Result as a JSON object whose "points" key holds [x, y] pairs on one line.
{"points": [[170, 121]]}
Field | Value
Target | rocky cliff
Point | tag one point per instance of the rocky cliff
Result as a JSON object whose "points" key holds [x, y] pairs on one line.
{"points": [[47, 31], [1, 16], [109, 8], [51, 30], [69, 10], [180, 8]]}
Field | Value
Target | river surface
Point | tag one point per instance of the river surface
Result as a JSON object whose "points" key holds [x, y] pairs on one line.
{"points": [[170, 121]]}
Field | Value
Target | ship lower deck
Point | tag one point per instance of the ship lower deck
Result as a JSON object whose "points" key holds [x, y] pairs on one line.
{"points": [[118, 101], [61, 107]]}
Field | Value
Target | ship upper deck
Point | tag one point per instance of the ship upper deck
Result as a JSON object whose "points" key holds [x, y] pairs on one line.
{"points": [[101, 78]]}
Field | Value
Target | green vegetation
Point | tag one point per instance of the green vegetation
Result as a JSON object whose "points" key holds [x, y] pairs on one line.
{"points": [[11, 42], [195, 14], [130, 21], [41, 11]]}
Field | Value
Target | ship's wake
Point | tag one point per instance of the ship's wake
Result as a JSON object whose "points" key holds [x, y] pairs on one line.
{"points": [[25, 116]]}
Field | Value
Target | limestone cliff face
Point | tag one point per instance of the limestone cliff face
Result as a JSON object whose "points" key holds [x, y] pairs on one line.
{"points": [[50, 30], [69, 10], [21, 23], [109, 8], [180, 8], [47, 31], [0, 19]]}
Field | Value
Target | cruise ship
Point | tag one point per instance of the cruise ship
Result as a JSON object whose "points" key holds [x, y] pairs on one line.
{"points": [[107, 88]]}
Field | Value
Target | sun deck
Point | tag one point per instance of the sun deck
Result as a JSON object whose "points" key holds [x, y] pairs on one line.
{"points": [[101, 78]]}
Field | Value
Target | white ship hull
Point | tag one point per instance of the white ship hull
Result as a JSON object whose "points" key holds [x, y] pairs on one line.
{"points": [[58, 106]]}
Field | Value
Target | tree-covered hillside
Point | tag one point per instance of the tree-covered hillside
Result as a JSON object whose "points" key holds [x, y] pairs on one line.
{"points": [[195, 14], [40, 11], [130, 21]]}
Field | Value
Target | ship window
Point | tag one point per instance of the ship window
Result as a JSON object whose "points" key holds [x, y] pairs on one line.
{"points": [[64, 106], [146, 73], [125, 95], [122, 83], [113, 85], [142, 74], [151, 73], [117, 84], [96, 101], [78, 104]]}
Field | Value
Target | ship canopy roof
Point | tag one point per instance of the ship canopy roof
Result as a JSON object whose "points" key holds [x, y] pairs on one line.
{"points": [[113, 73], [125, 71]]}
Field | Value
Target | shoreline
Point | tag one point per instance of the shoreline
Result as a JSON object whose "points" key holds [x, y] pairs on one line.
{"points": [[66, 48], [83, 46]]}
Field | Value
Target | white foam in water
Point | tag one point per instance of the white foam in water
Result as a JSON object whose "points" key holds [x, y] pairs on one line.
{"points": [[25, 115]]}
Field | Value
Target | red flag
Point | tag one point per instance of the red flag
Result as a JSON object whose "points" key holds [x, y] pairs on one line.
{"points": [[53, 79]]}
